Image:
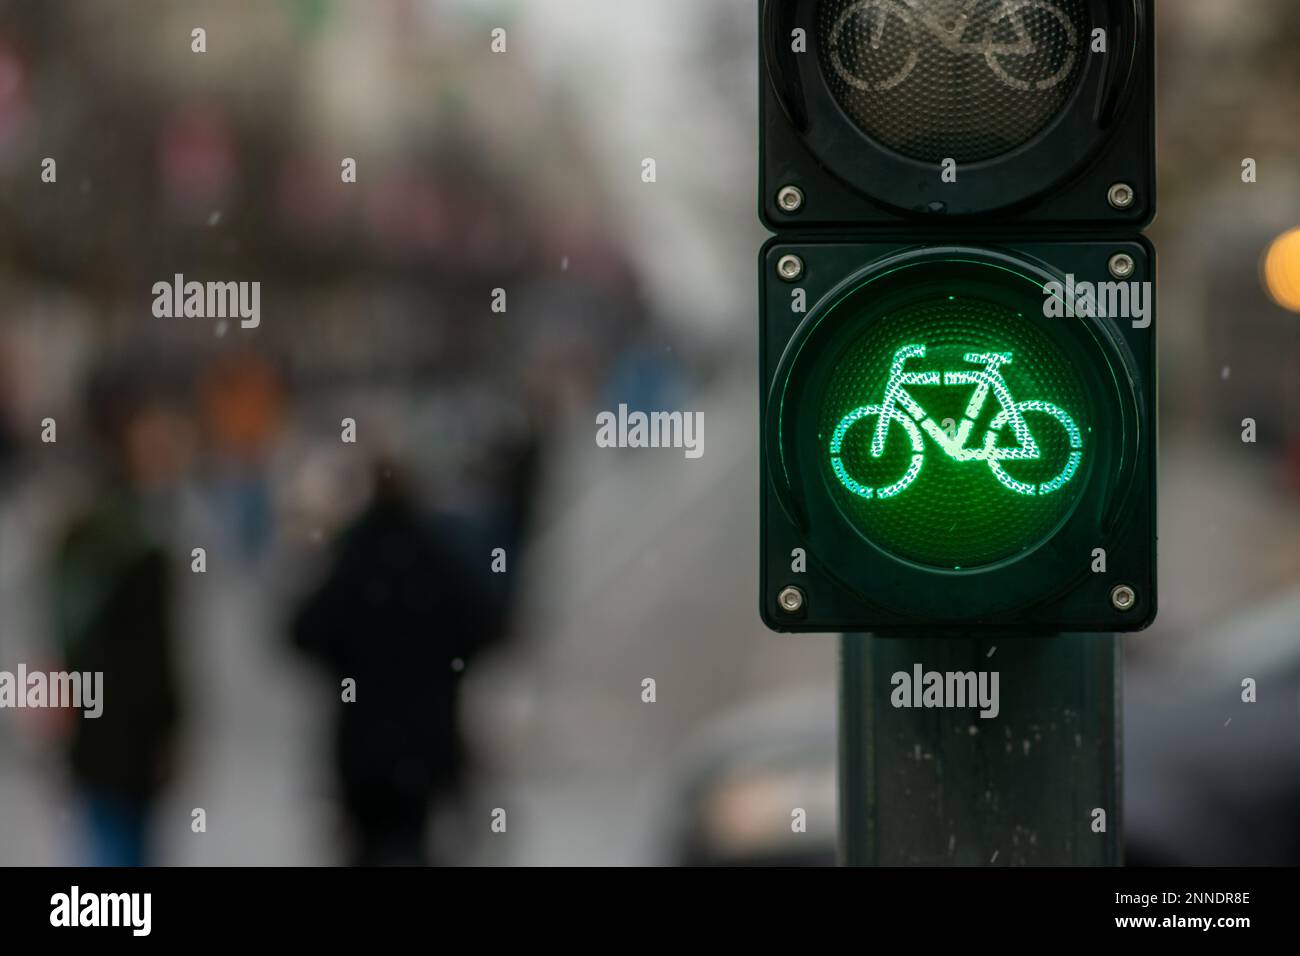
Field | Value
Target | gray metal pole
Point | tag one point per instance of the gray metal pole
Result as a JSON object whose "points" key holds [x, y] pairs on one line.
{"points": [[942, 785]]}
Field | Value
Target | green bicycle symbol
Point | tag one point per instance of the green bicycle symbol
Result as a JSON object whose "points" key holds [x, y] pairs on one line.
{"points": [[899, 406]]}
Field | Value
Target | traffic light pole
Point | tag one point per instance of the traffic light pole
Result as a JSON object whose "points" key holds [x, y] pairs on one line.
{"points": [[925, 782]]}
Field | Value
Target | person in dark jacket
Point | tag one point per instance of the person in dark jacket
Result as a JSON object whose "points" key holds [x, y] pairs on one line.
{"points": [[399, 616], [113, 597]]}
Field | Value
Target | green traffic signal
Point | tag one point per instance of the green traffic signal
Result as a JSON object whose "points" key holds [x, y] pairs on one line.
{"points": [[945, 442], [954, 430], [953, 440]]}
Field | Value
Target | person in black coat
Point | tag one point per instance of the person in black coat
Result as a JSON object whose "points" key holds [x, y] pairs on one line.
{"points": [[400, 616]]}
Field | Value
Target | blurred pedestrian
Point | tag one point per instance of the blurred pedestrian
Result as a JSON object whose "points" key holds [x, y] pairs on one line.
{"points": [[241, 396], [398, 616], [113, 596]]}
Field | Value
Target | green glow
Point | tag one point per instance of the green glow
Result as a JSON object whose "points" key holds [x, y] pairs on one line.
{"points": [[955, 432], [898, 404]]}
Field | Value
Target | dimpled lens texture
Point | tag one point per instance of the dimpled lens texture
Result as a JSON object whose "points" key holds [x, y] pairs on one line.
{"points": [[961, 79], [954, 514]]}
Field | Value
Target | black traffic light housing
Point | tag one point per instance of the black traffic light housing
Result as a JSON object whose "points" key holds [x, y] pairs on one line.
{"points": [[1091, 164], [913, 153], [846, 582]]}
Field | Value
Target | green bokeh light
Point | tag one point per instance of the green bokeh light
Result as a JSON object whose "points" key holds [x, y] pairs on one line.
{"points": [[972, 503]]}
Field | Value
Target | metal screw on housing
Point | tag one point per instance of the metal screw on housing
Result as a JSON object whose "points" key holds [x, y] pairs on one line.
{"points": [[790, 599], [789, 267], [790, 198], [1122, 265], [1121, 195], [1123, 597]]}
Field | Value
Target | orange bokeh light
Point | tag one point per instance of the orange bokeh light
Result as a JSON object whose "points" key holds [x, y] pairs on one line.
{"points": [[1281, 270]]}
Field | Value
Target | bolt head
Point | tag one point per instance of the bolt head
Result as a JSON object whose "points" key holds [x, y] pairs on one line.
{"points": [[790, 599], [1122, 265], [790, 199], [1121, 195], [789, 267], [1123, 597]]}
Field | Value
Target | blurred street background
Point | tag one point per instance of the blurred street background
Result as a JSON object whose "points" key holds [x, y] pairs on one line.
{"points": [[521, 171]]}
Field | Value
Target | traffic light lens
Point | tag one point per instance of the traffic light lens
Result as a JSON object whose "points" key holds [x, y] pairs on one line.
{"points": [[954, 428], [968, 80]]}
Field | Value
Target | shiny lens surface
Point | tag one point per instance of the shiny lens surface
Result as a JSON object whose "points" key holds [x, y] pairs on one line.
{"points": [[987, 433], [968, 80]]}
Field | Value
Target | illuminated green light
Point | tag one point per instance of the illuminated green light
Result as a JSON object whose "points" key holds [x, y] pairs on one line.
{"points": [[954, 431], [898, 404]]}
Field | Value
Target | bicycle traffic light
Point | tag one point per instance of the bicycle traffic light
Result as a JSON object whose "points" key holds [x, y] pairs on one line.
{"points": [[957, 114], [958, 372]]}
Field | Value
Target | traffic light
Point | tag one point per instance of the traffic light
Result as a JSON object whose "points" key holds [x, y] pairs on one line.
{"points": [[957, 114], [957, 344]]}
